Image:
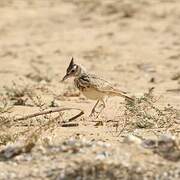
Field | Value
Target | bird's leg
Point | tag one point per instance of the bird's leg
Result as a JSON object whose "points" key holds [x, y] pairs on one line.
{"points": [[103, 105], [93, 109]]}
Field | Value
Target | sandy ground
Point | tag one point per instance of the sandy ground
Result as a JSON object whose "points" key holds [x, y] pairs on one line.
{"points": [[133, 44]]}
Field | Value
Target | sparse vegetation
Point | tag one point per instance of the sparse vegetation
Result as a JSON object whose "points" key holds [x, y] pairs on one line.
{"points": [[43, 131], [144, 113]]}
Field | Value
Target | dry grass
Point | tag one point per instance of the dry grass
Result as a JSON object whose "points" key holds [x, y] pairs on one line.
{"points": [[135, 43], [43, 118], [144, 114]]}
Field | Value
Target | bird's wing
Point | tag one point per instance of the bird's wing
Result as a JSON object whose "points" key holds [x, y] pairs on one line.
{"points": [[98, 83], [101, 85]]}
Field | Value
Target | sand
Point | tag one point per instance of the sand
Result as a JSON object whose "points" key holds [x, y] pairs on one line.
{"points": [[133, 44]]}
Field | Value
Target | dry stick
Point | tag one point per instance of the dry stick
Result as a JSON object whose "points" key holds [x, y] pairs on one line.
{"points": [[27, 147], [49, 112]]}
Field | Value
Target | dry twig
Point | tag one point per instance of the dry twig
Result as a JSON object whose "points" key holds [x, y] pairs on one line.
{"points": [[49, 112]]}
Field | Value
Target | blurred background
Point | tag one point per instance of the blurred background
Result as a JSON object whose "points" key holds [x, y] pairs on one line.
{"points": [[133, 43]]}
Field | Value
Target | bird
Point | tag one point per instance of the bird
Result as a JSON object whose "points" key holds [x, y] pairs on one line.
{"points": [[92, 86]]}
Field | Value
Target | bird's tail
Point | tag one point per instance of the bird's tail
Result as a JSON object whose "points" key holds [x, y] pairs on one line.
{"points": [[116, 93]]}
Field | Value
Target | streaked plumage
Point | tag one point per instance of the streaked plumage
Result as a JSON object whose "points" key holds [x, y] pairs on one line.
{"points": [[92, 86]]}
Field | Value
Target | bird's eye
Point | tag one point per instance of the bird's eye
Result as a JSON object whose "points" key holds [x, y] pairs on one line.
{"points": [[73, 71]]}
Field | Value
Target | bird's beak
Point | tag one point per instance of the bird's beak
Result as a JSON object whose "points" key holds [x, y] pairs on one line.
{"points": [[64, 78]]}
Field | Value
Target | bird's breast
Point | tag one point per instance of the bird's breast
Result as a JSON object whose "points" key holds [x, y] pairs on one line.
{"points": [[92, 94], [87, 90]]}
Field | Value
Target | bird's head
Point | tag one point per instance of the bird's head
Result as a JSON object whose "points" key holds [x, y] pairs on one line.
{"points": [[73, 70]]}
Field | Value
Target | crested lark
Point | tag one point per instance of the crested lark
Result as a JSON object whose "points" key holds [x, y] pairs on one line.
{"points": [[92, 86]]}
